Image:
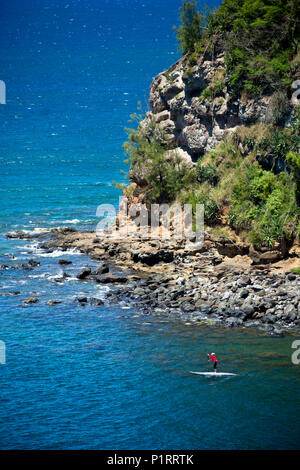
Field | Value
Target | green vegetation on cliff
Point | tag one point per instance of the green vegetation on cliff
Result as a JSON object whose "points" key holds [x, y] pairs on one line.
{"points": [[260, 39], [249, 182], [244, 182]]}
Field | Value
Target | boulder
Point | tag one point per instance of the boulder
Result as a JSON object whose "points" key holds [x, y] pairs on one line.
{"points": [[110, 279], [53, 302], [33, 263], [153, 257], [233, 322], [244, 293], [10, 294], [30, 300], [64, 261], [84, 273], [96, 302], [103, 269]]}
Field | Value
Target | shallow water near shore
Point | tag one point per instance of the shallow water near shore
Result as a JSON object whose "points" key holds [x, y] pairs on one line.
{"points": [[86, 377]]}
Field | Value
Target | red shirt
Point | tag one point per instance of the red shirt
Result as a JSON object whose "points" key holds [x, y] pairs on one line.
{"points": [[213, 358]]}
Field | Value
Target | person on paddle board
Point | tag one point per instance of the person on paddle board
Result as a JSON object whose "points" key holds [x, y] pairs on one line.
{"points": [[214, 359]]}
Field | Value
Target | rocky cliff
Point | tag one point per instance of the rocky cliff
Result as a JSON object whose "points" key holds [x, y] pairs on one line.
{"points": [[194, 107]]}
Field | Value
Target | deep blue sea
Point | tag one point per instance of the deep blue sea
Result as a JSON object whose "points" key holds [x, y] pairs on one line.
{"points": [[106, 377]]}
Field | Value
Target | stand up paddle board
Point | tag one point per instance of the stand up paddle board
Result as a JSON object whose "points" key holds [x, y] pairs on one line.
{"points": [[215, 374]]}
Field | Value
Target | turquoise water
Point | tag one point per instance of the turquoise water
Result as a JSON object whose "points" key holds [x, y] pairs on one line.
{"points": [[106, 377]]}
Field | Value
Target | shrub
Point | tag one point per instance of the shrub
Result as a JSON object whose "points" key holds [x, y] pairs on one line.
{"points": [[293, 160], [207, 173], [206, 93], [265, 204], [218, 86], [211, 208]]}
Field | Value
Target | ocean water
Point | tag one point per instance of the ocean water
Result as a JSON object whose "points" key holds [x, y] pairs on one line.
{"points": [[106, 377]]}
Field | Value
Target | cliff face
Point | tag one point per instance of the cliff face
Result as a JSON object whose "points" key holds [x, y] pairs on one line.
{"points": [[195, 109]]}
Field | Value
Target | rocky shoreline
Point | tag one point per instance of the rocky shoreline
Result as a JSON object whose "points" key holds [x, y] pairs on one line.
{"points": [[218, 283]]}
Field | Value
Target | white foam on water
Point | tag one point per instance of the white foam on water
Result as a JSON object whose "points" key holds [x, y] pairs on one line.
{"points": [[41, 276], [57, 253], [22, 282], [31, 246], [73, 221]]}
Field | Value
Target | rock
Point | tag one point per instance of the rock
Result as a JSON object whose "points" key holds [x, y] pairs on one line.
{"points": [[182, 154], [290, 312], [198, 304], [162, 116], [153, 257], [111, 279], [96, 302], [33, 263], [187, 307], [281, 293], [277, 332], [103, 269], [269, 319], [61, 278], [84, 273], [270, 257], [233, 322], [230, 248], [30, 300], [82, 300], [24, 266], [64, 230], [53, 302], [269, 302], [20, 234], [291, 277], [244, 293], [138, 291], [10, 294], [257, 287], [64, 261], [244, 281], [227, 295]]}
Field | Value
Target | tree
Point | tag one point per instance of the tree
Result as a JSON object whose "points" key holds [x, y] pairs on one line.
{"points": [[190, 31], [161, 176]]}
